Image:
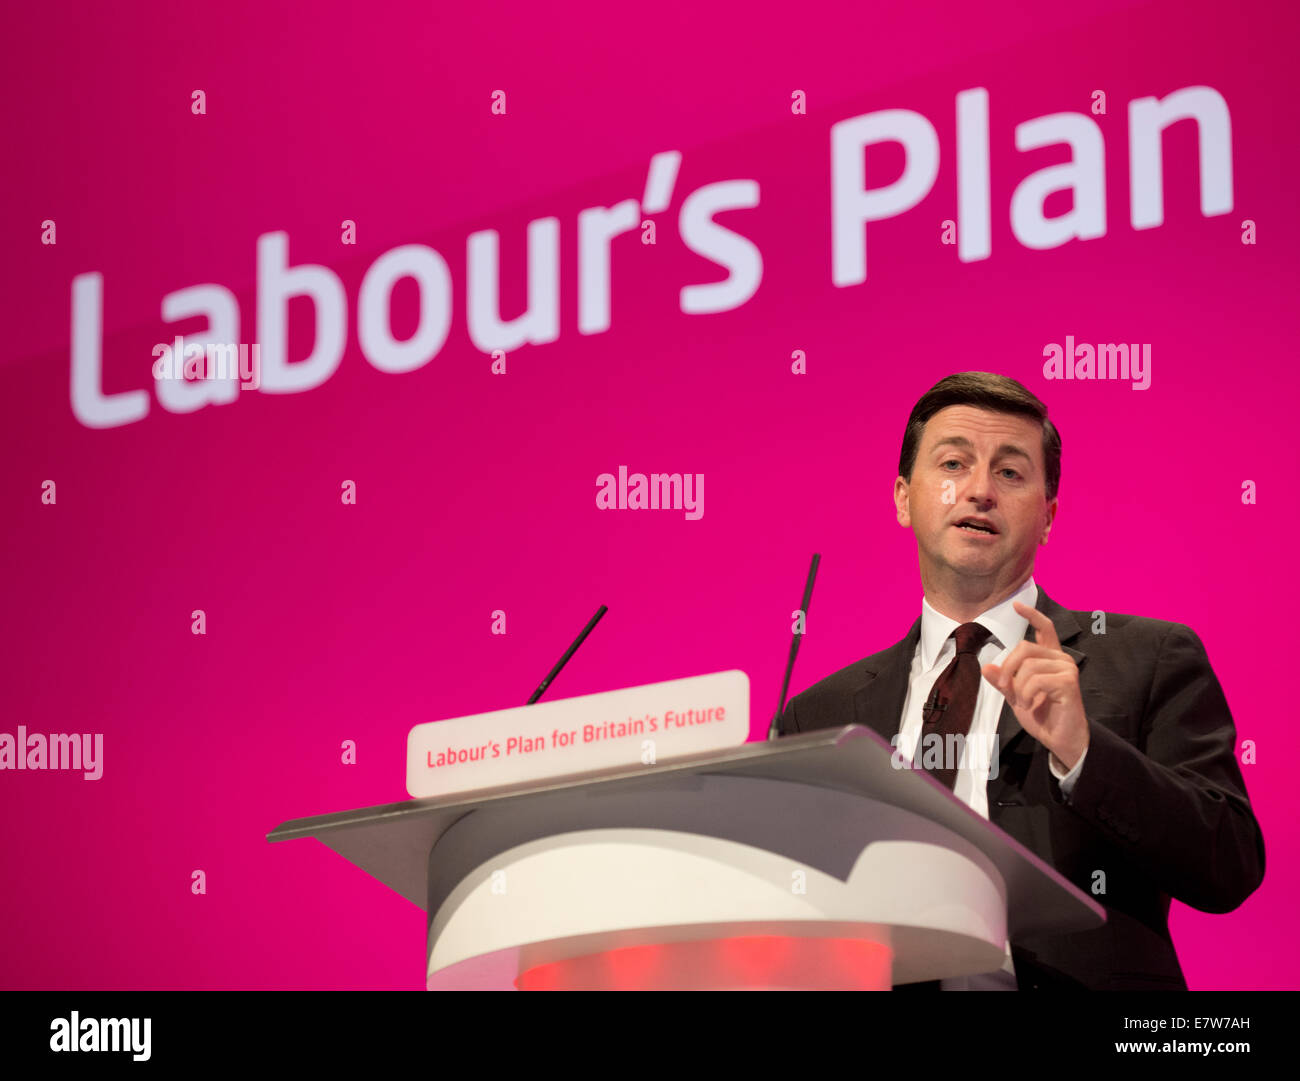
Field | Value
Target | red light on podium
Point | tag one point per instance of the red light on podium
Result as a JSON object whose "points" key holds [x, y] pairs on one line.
{"points": [[753, 963]]}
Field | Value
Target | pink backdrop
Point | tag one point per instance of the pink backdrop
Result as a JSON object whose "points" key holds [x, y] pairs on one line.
{"points": [[328, 622]]}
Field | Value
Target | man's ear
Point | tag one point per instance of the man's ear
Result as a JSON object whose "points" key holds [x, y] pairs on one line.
{"points": [[902, 502], [1052, 508]]}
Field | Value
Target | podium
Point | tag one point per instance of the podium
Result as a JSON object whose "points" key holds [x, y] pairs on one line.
{"points": [[811, 862]]}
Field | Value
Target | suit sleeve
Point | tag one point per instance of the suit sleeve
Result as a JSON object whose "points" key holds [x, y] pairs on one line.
{"points": [[1180, 809]]}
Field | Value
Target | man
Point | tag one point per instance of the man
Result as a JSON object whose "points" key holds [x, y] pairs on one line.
{"points": [[1115, 744]]}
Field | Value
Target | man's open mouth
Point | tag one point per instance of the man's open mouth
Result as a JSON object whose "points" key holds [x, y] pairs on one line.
{"points": [[976, 525]]}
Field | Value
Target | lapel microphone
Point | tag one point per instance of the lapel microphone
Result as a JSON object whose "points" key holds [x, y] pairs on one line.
{"points": [[933, 706]]}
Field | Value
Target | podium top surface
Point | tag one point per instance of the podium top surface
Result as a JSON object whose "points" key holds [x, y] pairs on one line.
{"points": [[392, 841]]}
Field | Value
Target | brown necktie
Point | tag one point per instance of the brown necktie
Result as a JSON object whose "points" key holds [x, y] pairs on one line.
{"points": [[952, 705]]}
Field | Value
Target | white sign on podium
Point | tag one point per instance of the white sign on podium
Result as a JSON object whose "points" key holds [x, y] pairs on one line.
{"points": [[636, 726]]}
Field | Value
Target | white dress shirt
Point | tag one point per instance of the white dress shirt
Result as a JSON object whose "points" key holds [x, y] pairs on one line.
{"points": [[934, 652]]}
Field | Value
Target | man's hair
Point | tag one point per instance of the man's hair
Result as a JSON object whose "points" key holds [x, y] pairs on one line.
{"points": [[983, 390]]}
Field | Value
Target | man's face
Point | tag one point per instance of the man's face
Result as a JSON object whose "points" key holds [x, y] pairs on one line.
{"points": [[975, 463]]}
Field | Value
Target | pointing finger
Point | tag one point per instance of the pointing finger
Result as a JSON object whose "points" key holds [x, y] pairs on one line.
{"points": [[1040, 623]]}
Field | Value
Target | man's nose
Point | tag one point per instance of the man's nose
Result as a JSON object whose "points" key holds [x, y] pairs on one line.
{"points": [[979, 489]]}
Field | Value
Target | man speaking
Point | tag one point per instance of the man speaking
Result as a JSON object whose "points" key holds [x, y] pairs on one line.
{"points": [[1114, 740]]}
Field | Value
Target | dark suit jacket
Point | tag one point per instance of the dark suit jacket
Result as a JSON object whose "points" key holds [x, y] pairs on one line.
{"points": [[1159, 806]]}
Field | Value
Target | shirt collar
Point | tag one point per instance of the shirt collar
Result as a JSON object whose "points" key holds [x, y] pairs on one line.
{"points": [[1007, 626]]}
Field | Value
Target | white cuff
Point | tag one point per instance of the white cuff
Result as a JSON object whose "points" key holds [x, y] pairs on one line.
{"points": [[1066, 780]]}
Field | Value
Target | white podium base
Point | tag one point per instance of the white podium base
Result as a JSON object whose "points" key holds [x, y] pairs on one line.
{"points": [[616, 908]]}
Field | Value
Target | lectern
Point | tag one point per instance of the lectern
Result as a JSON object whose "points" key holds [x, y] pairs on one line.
{"points": [[811, 862]]}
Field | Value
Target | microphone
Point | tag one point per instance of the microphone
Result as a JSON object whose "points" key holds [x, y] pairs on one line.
{"points": [[774, 731], [541, 687], [933, 706]]}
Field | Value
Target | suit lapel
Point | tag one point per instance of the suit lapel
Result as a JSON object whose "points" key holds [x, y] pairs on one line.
{"points": [[1067, 628], [878, 704]]}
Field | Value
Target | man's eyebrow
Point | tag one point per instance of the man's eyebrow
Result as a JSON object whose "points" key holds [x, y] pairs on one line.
{"points": [[1005, 451]]}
